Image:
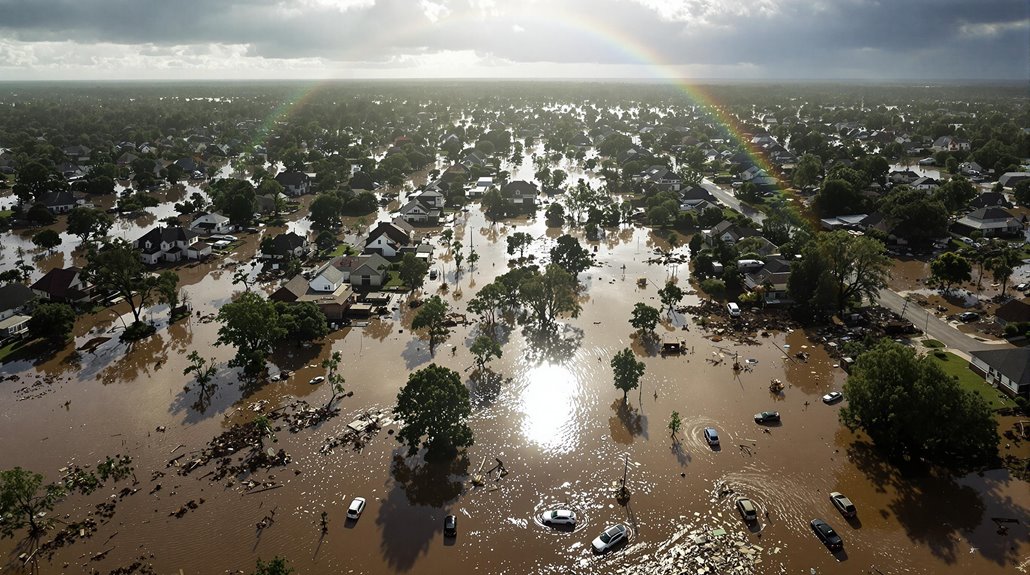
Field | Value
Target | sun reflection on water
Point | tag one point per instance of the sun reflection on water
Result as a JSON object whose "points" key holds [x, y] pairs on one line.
{"points": [[550, 402]]}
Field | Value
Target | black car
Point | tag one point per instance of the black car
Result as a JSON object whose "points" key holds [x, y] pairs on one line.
{"points": [[450, 526], [968, 316], [767, 417], [827, 535]]}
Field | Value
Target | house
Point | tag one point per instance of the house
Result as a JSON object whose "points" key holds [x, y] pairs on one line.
{"points": [[294, 183], [389, 239], [988, 199], [14, 298], [970, 169], [1010, 179], [1007, 369], [771, 279], [198, 251], [925, 183], [284, 246], [333, 304], [990, 221], [430, 197], [950, 144], [415, 212], [169, 243], [521, 193], [63, 285], [456, 172], [473, 158], [902, 176], [77, 153], [1015, 311], [360, 271], [728, 232], [661, 177], [213, 223], [60, 202], [482, 186], [695, 195]]}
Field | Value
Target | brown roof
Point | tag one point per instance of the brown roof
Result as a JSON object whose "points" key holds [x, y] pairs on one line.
{"points": [[1015, 311], [57, 281]]}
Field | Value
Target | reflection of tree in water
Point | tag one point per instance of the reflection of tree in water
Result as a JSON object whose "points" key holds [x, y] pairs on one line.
{"points": [[935, 510], [430, 483], [627, 423], [181, 335], [613, 238], [140, 357], [647, 345], [485, 387], [380, 330], [552, 344], [491, 234]]}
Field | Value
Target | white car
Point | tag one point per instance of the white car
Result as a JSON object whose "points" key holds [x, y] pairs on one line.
{"points": [[356, 507], [317, 380], [558, 517], [832, 397], [610, 537], [712, 436]]}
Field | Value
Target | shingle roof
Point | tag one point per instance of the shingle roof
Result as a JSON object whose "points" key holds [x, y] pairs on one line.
{"points": [[56, 281], [14, 295], [1012, 363]]}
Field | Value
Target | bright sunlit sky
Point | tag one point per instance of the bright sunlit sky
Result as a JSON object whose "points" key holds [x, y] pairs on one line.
{"points": [[646, 39]]}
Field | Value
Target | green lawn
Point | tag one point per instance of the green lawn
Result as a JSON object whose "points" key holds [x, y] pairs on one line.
{"points": [[932, 343], [340, 250], [955, 365]]}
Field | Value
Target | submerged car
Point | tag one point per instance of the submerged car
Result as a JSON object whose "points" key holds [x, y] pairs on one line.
{"points": [[767, 417], [827, 535], [610, 537], [450, 526], [832, 397], [316, 380], [843, 504], [558, 517], [712, 436], [747, 509], [356, 507]]}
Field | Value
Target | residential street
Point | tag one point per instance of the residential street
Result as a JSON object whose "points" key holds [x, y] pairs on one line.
{"points": [[933, 326]]}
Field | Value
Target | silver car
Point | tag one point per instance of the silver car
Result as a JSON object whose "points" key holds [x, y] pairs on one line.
{"points": [[610, 537]]}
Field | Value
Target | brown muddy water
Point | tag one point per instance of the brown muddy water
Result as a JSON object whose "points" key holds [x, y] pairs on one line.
{"points": [[552, 416]]}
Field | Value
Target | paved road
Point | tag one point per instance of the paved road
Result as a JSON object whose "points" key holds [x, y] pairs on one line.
{"points": [[932, 325]]}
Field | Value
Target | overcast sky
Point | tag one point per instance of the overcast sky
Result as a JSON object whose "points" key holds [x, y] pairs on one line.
{"points": [[652, 39]]}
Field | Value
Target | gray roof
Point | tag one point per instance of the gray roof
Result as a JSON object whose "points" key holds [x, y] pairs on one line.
{"points": [[1012, 363], [14, 295]]}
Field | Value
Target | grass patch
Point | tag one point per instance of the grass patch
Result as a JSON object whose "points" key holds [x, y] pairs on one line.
{"points": [[394, 282], [25, 348], [341, 250], [958, 367], [933, 343]]}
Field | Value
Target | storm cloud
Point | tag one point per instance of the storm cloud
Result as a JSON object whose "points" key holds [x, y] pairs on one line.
{"points": [[762, 39]]}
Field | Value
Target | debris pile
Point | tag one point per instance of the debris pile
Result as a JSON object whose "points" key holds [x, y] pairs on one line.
{"points": [[705, 550], [358, 432]]}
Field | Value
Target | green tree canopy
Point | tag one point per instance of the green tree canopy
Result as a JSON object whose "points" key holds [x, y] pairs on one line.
{"points": [[412, 271], [857, 266], [251, 324], [950, 268], [89, 224], [432, 317], [52, 322], [644, 319], [24, 499], [117, 267], [670, 295], [571, 256], [910, 407], [47, 239], [628, 371], [435, 407], [549, 294], [485, 348]]}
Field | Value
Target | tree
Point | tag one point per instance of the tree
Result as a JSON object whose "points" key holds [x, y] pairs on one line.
{"points": [[203, 370], [435, 407], [485, 349], [857, 266], [518, 242], [46, 239], [628, 371], [918, 218], [167, 288], [1001, 271], [549, 294], [273, 189], [495, 206], [838, 197], [955, 194], [910, 407], [277, 566], [25, 501], [325, 211], [749, 193], [117, 267], [675, 423], [487, 302], [1022, 193], [235, 199], [52, 322], [671, 294], [809, 284], [950, 268], [645, 319], [301, 321], [332, 375], [808, 169], [555, 215], [432, 317], [251, 324], [89, 224], [40, 215], [412, 271], [571, 256], [473, 258]]}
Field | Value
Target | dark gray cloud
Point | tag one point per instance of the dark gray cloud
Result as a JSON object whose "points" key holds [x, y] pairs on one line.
{"points": [[770, 38]]}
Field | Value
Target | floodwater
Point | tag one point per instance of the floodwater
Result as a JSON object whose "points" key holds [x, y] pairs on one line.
{"points": [[551, 415]]}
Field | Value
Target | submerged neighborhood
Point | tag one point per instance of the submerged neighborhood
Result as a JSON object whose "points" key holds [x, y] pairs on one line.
{"points": [[524, 327]]}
